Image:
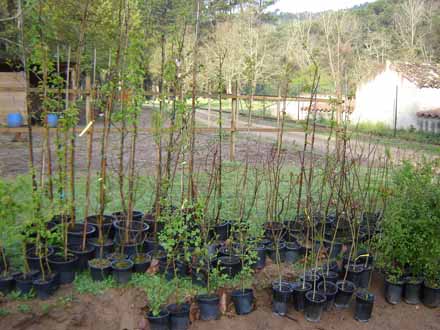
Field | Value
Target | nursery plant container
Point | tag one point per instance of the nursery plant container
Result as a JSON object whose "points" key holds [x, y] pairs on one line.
{"points": [[100, 269], [223, 230], [107, 225], [136, 231], [159, 322], [34, 261], [130, 248], [273, 230], [14, 120], [83, 255], [334, 249], [209, 307], [329, 289], [141, 262], [261, 257], [45, 288], [101, 248], [364, 305], [314, 306], [198, 276], [150, 244], [179, 316], [65, 267], [431, 296], [364, 279], [7, 284], [116, 256], [299, 290], [121, 215], [328, 276], [122, 270], [23, 282], [412, 290], [154, 225], [281, 295], [52, 120], [272, 251], [393, 291], [344, 294], [75, 233], [354, 272], [243, 301], [310, 277], [229, 265], [293, 252], [332, 267]]}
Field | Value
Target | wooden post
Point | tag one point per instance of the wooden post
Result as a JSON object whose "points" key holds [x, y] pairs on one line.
{"points": [[209, 104], [88, 101], [278, 106], [395, 111], [234, 106]]}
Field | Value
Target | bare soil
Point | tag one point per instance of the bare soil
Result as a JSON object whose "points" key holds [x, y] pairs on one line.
{"points": [[124, 308]]}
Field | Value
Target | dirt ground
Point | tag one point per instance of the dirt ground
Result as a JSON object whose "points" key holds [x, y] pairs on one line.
{"points": [[124, 308]]}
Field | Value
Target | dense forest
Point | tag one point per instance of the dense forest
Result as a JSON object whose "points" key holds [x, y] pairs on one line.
{"points": [[225, 41]]}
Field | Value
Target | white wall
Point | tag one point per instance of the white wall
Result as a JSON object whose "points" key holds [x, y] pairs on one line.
{"points": [[375, 100]]}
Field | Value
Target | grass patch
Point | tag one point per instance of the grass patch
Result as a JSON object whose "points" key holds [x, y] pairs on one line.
{"points": [[84, 284]]}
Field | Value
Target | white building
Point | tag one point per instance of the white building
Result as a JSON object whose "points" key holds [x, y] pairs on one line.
{"points": [[415, 88]]}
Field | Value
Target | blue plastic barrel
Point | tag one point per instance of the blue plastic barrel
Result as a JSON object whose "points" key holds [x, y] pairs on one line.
{"points": [[52, 119], [15, 119]]}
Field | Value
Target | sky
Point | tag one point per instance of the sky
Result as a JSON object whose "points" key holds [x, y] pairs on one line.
{"points": [[298, 6]]}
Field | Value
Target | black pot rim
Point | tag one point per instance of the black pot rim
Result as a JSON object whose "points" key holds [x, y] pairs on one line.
{"points": [[128, 267], [348, 287], [90, 229], [164, 313], [89, 249], [242, 292], [229, 260], [107, 219], [184, 309], [326, 291], [208, 298], [89, 262], [316, 294], [298, 286], [360, 294], [279, 286], [144, 226], [71, 259]]}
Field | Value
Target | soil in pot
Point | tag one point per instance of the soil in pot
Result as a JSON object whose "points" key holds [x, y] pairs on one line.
{"points": [[223, 230], [141, 262], [364, 305], [314, 306], [7, 283], [293, 252], [299, 290], [229, 265], [160, 321], [281, 295], [274, 253], [431, 295], [243, 301], [179, 316], [329, 289], [45, 288], [344, 294], [101, 248], [65, 267], [83, 255], [115, 256], [393, 291], [209, 307], [75, 233], [412, 290], [122, 271], [100, 269]]}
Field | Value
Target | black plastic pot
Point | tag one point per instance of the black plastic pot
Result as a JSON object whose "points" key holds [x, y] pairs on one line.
{"points": [[329, 276], [299, 290], [273, 230], [66, 268], [364, 279], [141, 262], [393, 291], [209, 307], [75, 233], [243, 301], [272, 251], [179, 316], [33, 259], [121, 215], [83, 255], [122, 270], [223, 230], [130, 249], [364, 305], [108, 231], [100, 269], [344, 294], [281, 295], [334, 250], [101, 248], [159, 322], [329, 289], [116, 256], [229, 265], [315, 302], [150, 245], [354, 273], [412, 291], [332, 267], [136, 231], [431, 296], [310, 277], [293, 252], [198, 276], [261, 257], [23, 282], [45, 288], [7, 284]]}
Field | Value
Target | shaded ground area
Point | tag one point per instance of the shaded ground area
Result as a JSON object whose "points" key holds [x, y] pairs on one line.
{"points": [[123, 308]]}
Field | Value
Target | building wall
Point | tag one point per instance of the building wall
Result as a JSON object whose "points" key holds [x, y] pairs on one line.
{"points": [[12, 94], [375, 100]]}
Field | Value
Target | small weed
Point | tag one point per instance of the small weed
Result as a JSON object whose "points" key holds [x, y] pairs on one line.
{"points": [[4, 312], [84, 284], [23, 308], [45, 308], [66, 299], [17, 295]]}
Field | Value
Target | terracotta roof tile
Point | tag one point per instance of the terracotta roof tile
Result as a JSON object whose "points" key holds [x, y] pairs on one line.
{"points": [[424, 75], [429, 113]]}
